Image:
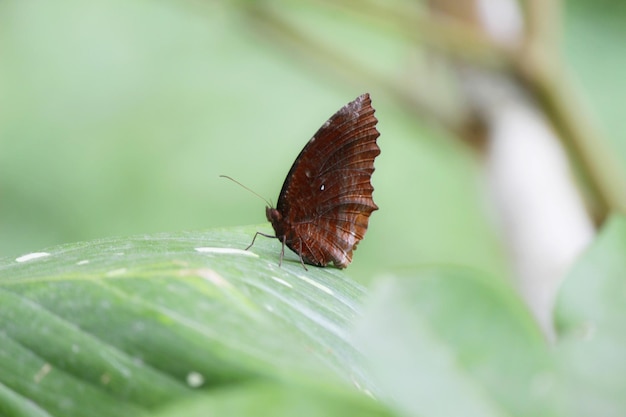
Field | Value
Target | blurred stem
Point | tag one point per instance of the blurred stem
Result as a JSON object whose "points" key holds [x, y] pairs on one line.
{"points": [[538, 64], [456, 39], [599, 170], [297, 42], [543, 26], [541, 68], [461, 41]]}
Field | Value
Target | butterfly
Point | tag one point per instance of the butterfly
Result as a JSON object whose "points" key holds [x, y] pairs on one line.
{"points": [[324, 206]]}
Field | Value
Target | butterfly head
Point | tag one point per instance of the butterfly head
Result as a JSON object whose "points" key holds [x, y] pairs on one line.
{"points": [[276, 218]]}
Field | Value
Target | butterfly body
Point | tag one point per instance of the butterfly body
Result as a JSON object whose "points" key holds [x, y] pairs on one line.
{"points": [[324, 205]]}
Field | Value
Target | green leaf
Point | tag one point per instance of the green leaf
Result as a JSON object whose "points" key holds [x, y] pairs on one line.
{"points": [[591, 320], [452, 342], [268, 398], [124, 326], [181, 323]]}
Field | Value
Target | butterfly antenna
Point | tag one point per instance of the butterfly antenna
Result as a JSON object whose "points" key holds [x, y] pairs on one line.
{"points": [[243, 186]]}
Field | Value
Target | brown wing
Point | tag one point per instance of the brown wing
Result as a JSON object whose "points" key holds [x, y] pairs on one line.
{"points": [[326, 199]]}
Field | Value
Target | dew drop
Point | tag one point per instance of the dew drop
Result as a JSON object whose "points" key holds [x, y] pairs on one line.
{"points": [[195, 379]]}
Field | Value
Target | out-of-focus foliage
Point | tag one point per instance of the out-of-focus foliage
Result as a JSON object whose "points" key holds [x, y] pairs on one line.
{"points": [[595, 54], [188, 323], [118, 117]]}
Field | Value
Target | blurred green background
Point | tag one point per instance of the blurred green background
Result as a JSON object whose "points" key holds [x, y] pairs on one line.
{"points": [[117, 117]]}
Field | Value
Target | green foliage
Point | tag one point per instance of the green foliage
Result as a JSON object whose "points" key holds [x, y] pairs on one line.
{"points": [[186, 323], [268, 398], [453, 342], [122, 325], [121, 115], [118, 127], [591, 319]]}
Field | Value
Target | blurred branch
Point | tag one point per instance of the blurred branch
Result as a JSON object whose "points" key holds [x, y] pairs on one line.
{"points": [[456, 39], [589, 151], [537, 64], [543, 26], [541, 68], [328, 58]]}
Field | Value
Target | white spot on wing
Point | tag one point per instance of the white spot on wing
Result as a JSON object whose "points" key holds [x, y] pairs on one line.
{"points": [[31, 256]]}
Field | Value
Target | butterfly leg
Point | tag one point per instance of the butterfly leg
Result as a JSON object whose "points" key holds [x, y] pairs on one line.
{"points": [[282, 252], [262, 234], [300, 255]]}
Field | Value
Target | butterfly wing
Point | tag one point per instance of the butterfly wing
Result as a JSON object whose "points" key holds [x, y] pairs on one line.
{"points": [[326, 199]]}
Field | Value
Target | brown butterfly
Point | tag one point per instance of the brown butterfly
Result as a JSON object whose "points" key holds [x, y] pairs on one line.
{"points": [[324, 206]]}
